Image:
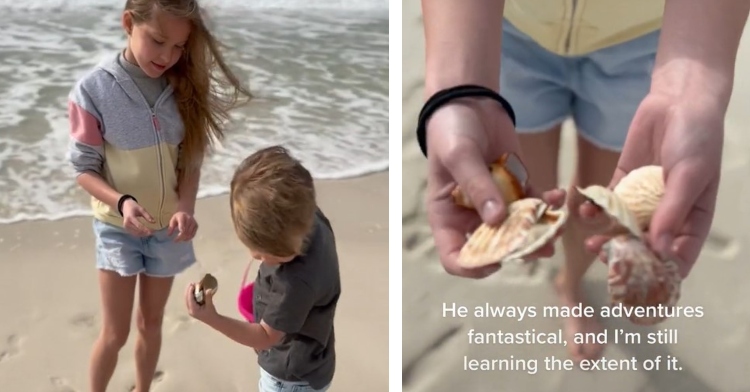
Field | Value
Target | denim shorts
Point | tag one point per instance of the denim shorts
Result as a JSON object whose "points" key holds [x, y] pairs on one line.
{"points": [[269, 383], [600, 90], [156, 255]]}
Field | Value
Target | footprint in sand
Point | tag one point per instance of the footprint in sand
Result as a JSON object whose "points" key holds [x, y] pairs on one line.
{"points": [[61, 384], [178, 323], [158, 378], [722, 244], [11, 348], [83, 320]]}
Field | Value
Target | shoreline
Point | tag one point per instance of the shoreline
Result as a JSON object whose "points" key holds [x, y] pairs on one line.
{"points": [[210, 193]]}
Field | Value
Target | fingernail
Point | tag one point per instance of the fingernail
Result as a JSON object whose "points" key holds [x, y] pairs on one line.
{"points": [[664, 245], [490, 211]]}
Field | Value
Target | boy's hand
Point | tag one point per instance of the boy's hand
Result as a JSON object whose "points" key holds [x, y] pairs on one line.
{"points": [[200, 312], [185, 224]]}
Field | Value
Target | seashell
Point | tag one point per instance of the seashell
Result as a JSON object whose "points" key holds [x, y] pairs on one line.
{"points": [[641, 191], [208, 282], [614, 207], [638, 278], [530, 224], [508, 173]]}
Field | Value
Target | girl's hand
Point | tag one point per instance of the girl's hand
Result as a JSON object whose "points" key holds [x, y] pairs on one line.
{"points": [[131, 211], [685, 137], [185, 225], [462, 139], [200, 312]]}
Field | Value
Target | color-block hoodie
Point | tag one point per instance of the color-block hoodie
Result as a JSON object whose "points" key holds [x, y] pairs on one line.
{"points": [[115, 132]]}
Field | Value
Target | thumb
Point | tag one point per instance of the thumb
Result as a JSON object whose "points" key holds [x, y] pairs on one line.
{"points": [[681, 190], [616, 177], [473, 176], [172, 225], [209, 296]]}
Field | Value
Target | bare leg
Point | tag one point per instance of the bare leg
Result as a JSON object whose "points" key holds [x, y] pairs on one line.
{"points": [[540, 155], [117, 294], [153, 296], [594, 166]]}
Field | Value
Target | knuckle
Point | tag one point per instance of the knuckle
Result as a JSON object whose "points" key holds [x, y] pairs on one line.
{"points": [[456, 153]]}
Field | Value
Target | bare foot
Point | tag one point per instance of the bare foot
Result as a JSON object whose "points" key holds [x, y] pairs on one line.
{"points": [[571, 297]]}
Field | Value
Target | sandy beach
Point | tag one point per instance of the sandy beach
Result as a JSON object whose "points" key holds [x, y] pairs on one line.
{"points": [[50, 306], [712, 351]]}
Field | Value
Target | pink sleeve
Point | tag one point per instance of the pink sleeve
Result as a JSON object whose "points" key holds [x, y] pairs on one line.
{"points": [[84, 127]]}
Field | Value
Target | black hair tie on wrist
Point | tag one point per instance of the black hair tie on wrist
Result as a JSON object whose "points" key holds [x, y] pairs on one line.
{"points": [[442, 97], [122, 201]]}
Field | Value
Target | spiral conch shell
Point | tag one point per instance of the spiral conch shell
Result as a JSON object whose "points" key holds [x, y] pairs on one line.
{"points": [[637, 276], [530, 224]]}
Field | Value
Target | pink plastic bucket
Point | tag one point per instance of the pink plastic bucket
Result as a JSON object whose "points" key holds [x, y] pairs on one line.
{"points": [[245, 297]]}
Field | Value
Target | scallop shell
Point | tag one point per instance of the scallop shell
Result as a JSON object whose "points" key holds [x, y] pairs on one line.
{"points": [[613, 206], [641, 191], [208, 282], [509, 175], [638, 278], [531, 223]]}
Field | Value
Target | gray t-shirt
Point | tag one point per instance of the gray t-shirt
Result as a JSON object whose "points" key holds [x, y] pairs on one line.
{"points": [[299, 298], [150, 88]]}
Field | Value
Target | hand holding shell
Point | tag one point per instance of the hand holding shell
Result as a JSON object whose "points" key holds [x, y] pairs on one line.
{"points": [[637, 276], [208, 282], [531, 223]]}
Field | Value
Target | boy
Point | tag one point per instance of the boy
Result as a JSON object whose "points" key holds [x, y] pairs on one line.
{"points": [[276, 217]]}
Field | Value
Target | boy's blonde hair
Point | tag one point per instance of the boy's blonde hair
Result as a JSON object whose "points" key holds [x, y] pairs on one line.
{"points": [[203, 97], [272, 199]]}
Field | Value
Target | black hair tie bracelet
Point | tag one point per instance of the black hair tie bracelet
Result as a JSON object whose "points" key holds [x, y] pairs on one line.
{"points": [[122, 201], [442, 97]]}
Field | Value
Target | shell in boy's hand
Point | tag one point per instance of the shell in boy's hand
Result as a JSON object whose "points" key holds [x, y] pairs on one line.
{"points": [[208, 282]]}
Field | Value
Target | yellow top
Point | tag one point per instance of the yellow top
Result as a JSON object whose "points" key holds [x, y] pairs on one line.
{"points": [[577, 27]]}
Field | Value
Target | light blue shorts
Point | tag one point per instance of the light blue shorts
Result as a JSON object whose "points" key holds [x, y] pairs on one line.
{"points": [[600, 91], [156, 255], [269, 383]]}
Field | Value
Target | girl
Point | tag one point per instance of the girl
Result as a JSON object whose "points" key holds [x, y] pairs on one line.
{"points": [[141, 122]]}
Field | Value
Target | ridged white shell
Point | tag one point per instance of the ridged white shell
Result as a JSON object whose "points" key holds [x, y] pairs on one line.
{"points": [[641, 191], [613, 206], [529, 226]]}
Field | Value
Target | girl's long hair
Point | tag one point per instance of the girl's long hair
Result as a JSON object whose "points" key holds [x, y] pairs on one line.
{"points": [[204, 97]]}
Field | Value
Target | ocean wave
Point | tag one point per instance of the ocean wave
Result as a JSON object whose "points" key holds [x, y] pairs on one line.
{"points": [[321, 85]]}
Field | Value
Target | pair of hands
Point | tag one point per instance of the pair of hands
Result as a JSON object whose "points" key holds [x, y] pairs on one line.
{"points": [[133, 212], [684, 137]]}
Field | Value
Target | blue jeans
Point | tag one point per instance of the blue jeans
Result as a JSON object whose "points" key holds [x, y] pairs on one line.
{"points": [[156, 255], [269, 383], [600, 90]]}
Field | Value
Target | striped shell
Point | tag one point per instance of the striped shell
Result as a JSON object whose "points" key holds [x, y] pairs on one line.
{"points": [[641, 191], [530, 225]]}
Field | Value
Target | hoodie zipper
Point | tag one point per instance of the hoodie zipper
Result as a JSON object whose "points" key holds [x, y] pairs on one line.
{"points": [[159, 158], [569, 36]]}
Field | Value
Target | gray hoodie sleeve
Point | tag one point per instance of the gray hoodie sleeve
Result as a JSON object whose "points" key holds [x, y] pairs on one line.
{"points": [[86, 146]]}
